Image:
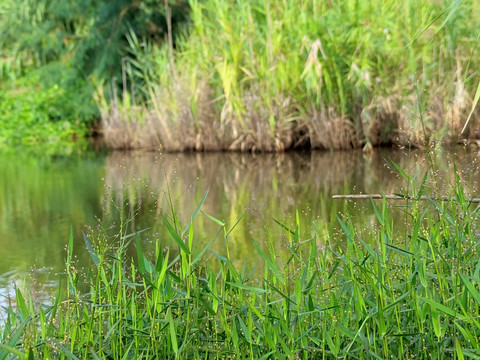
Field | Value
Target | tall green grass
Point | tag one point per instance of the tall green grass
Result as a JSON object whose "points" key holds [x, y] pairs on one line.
{"points": [[379, 294], [273, 75]]}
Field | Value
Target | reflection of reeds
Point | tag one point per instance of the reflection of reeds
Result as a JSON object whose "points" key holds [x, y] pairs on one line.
{"points": [[320, 171], [374, 296], [271, 177], [276, 185]]}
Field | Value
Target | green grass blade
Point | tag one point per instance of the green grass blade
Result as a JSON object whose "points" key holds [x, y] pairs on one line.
{"points": [[441, 307], [200, 204], [246, 287], [267, 355], [70, 246], [235, 225], [284, 227], [222, 224], [127, 354], [135, 233], [397, 301], [380, 219], [21, 303], [195, 213], [399, 250], [65, 350], [140, 255], [202, 252], [244, 328], [175, 236], [172, 330], [207, 306], [14, 339], [12, 350], [422, 185], [218, 256], [400, 170], [347, 231], [271, 265], [91, 250], [471, 289], [427, 27], [281, 293], [472, 353]]}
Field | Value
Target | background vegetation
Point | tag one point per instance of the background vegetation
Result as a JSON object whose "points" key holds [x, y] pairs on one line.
{"points": [[222, 74], [267, 75], [54, 53]]}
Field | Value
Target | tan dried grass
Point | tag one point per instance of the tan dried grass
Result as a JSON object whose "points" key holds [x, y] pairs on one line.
{"points": [[326, 129], [180, 120], [122, 122], [184, 118], [189, 118], [380, 121], [266, 128]]}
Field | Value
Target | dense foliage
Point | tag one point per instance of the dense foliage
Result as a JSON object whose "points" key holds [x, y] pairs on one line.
{"points": [[273, 75], [257, 75], [381, 294], [53, 53]]}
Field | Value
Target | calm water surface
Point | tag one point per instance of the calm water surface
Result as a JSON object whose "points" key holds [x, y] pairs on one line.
{"points": [[41, 199]]}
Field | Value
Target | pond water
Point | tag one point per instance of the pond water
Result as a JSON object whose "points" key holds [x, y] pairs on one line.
{"points": [[41, 199]]}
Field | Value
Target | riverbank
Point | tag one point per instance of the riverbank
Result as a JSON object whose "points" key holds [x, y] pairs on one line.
{"points": [[268, 76], [358, 293], [220, 75]]}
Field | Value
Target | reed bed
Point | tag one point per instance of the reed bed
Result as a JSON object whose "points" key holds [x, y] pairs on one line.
{"points": [[272, 76], [350, 294]]}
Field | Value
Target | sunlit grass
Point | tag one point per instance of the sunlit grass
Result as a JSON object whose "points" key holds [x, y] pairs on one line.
{"points": [[354, 294]]}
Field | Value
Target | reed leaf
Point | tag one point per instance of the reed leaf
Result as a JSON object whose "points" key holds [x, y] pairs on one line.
{"points": [[91, 250], [175, 236]]}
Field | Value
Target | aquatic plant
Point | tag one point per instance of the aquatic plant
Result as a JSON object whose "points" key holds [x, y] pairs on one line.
{"points": [[347, 294]]}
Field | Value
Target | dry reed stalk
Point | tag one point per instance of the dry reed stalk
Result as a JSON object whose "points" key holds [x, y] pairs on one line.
{"points": [[195, 124], [325, 129], [457, 108], [266, 128], [439, 122], [398, 197], [172, 124], [380, 120]]}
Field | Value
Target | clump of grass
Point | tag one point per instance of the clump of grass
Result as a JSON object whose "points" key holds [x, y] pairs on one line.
{"points": [[388, 295], [271, 76]]}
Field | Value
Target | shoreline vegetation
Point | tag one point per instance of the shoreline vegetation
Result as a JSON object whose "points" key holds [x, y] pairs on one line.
{"points": [[251, 76], [260, 76], [273, 76], [373, 294]]}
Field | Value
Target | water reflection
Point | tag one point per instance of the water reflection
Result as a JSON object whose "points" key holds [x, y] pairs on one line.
{"points": [[40, 285], [39, 200], [267, 187]]}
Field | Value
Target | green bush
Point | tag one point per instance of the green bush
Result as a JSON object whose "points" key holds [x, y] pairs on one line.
{"points": [[33, 115], [53, 53]]}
